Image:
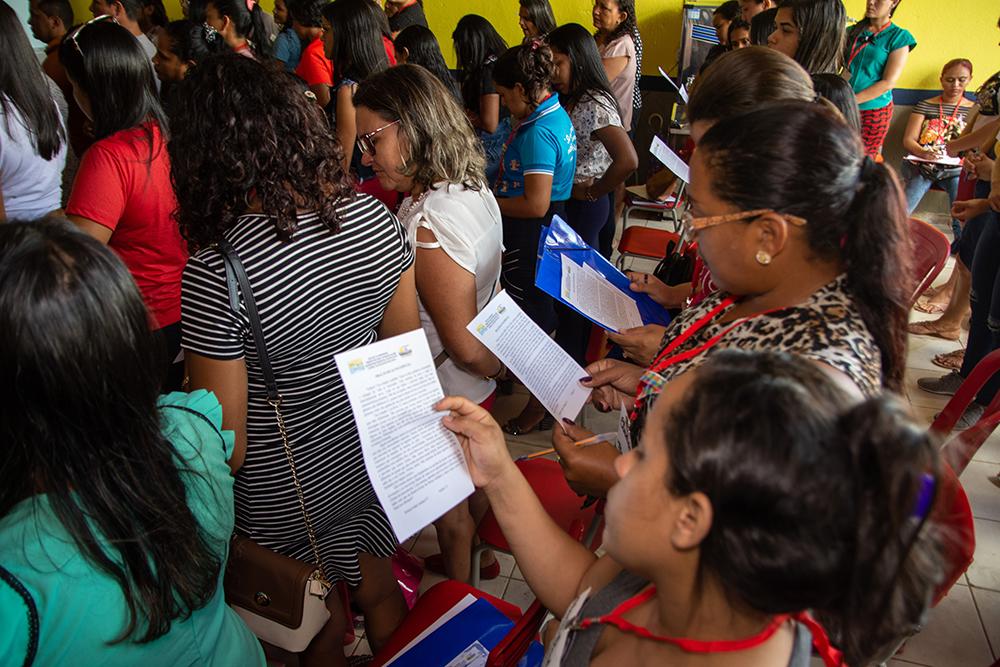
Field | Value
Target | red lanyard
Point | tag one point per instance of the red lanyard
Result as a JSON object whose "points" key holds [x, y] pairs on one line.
{"points": [[954, 113], [855, 49], [831, 657], [664, 359]]}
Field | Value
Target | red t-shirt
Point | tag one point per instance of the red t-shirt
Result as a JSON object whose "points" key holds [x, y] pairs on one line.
{"points": [[314, 67], [118, 186], [390, 50]]}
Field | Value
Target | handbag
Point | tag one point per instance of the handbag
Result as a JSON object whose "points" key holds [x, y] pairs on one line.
{"points": [[281, 599]]}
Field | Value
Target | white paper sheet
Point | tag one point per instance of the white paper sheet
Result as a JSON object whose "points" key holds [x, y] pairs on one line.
{"points": [[641, 192], [591, 293], [415, 464], [475, 655], [670, 159], [546, 370], [944, 160], [459, 607], [682, 90]]}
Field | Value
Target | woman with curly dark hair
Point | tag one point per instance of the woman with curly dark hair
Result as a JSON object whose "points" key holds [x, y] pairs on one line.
{"points": [[331, 270]]}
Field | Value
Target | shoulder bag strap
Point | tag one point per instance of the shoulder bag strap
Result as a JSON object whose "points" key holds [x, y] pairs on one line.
{"points": [[236, 278], [32, 649]]}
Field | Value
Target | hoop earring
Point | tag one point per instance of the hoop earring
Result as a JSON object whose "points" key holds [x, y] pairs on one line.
{"points": [[763, 258]]}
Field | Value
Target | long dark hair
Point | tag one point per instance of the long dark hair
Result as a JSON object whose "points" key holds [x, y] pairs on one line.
{"points": [[477, 43], [86, 431], [246, 133], [107, 62], [813, 498], [529, 64], [761, 26], [249, 23], [358, 49], [422, 49], [587, 75], [23, 86], [838, 91], [801, 158], [821, 33], [540, 13]]}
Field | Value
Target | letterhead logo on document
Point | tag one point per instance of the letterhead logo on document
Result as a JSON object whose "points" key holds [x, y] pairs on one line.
{"points": [[356, 366], [405, 350], [480, 328]]}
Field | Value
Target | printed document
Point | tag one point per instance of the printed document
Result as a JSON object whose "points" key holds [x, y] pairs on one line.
{"points": [[546, 370], [670, 159], [943, 160], [589, 292], [415, 464], [682, 91]]}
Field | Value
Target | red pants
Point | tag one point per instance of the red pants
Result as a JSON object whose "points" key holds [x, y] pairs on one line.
{"points": [[874, 127]]}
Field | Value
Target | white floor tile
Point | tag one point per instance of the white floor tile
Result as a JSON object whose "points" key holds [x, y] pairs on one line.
{"points": [[920, 398], [518, 593], [362, 648], [953, 635], [924, 348], [983, 495], [494, 587], [985, 569], [989, 452], [988, 603], [507, 563]]}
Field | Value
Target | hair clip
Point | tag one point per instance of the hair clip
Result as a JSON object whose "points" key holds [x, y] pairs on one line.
{"points": [[211, 34]]}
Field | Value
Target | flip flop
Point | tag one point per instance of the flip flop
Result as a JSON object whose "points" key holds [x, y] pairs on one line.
{"points": [[951, 361], [929, 307], [925, 329]]}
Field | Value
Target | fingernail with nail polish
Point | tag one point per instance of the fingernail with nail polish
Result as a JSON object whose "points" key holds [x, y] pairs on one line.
{"points": [[586, 378], [569, 421]]}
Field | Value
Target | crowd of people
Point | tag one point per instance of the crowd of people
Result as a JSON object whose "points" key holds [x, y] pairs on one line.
{"points": [[174, 194]]}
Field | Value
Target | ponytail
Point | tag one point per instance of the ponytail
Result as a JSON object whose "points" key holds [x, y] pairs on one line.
{"points": [[876, 254], [892, 565], [257, 34], [529, 64]]}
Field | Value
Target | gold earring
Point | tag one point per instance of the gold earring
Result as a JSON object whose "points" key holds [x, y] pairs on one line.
{"points": [[762, 258]]}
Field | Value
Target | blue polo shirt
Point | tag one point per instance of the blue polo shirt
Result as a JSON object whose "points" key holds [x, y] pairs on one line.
{"points": [[544, 143], [870, 57]]}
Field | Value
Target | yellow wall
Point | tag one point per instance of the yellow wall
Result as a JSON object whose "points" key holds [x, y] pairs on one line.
{"points": [[942, 33]]}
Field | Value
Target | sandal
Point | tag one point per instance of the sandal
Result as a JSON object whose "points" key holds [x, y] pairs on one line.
{"points": [[546, 423], [929, 307], [951, 361], [927, 328]]}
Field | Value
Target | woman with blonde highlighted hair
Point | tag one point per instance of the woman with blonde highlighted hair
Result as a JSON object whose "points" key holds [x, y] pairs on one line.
{"points": [[417, 139]]}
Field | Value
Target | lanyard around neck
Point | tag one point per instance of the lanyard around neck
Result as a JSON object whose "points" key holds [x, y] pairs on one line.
{"points": [[855, 49], [831, 656], [510, 139]]}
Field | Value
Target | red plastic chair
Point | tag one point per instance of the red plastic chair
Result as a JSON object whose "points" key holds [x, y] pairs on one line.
{"points": [[958, 451], [645, 242], [931, 249], [561, 502], [443, 596], [953, 513]]}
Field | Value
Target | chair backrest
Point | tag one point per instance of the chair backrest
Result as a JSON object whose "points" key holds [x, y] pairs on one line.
{"points": [[959, 450], [930, 253], [953, 514]]}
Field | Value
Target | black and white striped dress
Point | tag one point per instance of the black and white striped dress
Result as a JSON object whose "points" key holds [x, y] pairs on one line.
{"points": [[318, 295]]}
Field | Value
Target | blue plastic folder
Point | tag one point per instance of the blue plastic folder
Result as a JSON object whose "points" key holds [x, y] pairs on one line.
{"points": [[480, 622], [559, 239]]}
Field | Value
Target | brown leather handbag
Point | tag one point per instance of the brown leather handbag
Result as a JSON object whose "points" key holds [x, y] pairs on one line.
{"points": [[281, 599]]}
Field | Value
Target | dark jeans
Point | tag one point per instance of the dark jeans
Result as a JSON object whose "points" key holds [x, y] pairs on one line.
{"points": [[607, 236], [984, 325], [589, 220], [969, 238], [520, 258]]}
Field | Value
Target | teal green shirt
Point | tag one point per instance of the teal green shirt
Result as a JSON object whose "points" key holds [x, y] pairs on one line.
{"points": [[870, 56], [81, 608]]}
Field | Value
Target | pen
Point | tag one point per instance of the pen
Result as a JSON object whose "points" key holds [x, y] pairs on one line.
{"points": [[586, 442]]}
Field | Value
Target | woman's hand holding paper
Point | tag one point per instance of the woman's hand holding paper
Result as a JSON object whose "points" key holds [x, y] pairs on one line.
{"points": [[639, 343], [481, 438], [613, 383]]}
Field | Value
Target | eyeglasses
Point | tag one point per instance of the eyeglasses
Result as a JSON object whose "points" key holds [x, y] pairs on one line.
{"points": [[693, 224], [365, 142], [73, 35]]}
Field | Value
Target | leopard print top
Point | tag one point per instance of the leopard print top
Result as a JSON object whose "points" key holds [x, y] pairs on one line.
{"points": [[827, 328]]}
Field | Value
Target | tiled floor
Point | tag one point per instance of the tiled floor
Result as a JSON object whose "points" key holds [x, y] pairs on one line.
{"points": [[963, 631]]}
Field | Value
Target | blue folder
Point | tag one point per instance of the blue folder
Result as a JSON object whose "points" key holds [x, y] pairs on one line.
{"points": [[480, 622], [559, 239]]}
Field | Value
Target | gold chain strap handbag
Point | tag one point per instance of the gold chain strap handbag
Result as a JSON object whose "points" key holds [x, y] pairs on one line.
{"points": [[281, 599]]}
